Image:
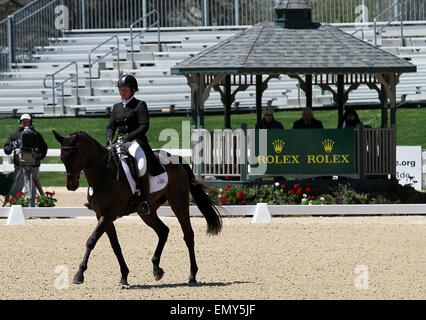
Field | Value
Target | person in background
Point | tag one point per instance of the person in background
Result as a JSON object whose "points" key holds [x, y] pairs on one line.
{"points": [[307, 121], [350, 118], [268, 121], [13, 144]]}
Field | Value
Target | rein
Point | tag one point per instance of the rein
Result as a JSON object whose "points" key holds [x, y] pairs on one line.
{"points": [[112, 152]]}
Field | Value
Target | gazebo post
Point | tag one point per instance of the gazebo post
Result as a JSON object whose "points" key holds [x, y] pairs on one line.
{"points": [[227, 124], [388, 97], [392, 85], [308, 90], [201, 88], [193, 117], [198, 101], [393, 117], [193, 82], [384, 109], [259, 90], [340, 98]]}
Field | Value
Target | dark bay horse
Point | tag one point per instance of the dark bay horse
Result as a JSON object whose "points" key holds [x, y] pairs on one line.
{"points": [[109, 194]]}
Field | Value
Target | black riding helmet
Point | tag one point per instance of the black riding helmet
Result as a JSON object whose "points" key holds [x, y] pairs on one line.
{"points": [[128, 80]]}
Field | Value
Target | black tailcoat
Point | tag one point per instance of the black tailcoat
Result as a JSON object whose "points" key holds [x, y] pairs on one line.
{"points": [[132, 121]]}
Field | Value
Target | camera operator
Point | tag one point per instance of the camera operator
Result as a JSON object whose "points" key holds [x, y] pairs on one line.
{"points": [[28, 147]]}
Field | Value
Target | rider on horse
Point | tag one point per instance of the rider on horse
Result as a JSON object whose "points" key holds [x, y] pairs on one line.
{"points": [[131, 119]]}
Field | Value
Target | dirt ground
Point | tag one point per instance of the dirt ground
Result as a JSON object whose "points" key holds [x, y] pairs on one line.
{"points": [[65, 198], [68, 198], [289, 258]]}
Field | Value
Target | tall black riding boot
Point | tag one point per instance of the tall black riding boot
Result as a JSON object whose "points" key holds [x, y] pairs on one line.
{"points": [[144, 187]]}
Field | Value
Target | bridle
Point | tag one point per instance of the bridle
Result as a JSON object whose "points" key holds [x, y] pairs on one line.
{"points": [[79, 156], [111, 153]]}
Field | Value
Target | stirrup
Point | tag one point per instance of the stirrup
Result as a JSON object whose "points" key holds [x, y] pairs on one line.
{"points": [[144, 208]]}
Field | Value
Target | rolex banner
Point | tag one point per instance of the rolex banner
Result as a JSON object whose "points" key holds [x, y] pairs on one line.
{"points": [[306, 151]]}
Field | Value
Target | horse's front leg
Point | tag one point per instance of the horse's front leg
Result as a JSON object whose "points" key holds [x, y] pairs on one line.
{"points": [[102, 226], [112, 235]]}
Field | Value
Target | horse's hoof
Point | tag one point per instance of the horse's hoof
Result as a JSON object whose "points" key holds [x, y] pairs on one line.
{"points": [[158, 275], [192, 280], [123, 283], [78, 280]]}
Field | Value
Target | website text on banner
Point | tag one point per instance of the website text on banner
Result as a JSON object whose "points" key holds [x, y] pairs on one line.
{"points": [[409, 166]]}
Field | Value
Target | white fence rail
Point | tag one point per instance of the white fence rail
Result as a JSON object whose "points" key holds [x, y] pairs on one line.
{"points": [[6, 165], [245, 211]]}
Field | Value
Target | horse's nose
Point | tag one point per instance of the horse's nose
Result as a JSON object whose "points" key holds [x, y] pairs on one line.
{"points": [[72, 186]]}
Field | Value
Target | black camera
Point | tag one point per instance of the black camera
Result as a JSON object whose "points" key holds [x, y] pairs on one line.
{"points": [[26, 153], [28, 139]]}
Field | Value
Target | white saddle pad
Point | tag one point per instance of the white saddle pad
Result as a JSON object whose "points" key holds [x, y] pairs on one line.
{"points": [[157, 183]]}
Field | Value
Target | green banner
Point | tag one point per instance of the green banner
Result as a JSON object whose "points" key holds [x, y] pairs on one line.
{"points": [[306, 151]]}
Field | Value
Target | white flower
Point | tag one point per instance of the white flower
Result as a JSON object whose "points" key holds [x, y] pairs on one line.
{"points": [[322, 198], [277, 184]]}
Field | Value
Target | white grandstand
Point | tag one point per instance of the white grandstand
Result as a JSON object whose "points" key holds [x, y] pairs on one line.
{"points": [[84, 88]]}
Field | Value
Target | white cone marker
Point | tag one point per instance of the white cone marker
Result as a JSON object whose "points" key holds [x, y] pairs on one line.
{"points": [[261, 214], [16, 216]]}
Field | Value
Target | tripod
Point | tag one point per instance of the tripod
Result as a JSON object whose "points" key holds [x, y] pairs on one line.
{"points": [[31, 181]]}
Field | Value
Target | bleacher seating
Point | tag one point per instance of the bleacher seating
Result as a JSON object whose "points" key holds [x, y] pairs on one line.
{"points": [[22, 89]]}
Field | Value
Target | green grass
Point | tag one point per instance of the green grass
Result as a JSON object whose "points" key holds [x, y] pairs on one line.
{"points": [[411, 129]]}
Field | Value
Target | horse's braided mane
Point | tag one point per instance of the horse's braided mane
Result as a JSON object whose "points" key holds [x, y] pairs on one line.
{"points": [[85, 134]]}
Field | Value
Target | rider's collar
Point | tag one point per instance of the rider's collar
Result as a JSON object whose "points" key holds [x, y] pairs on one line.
{"points": [[125, 102]]}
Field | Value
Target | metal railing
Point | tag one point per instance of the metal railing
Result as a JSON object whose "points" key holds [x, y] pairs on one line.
{"points": [[61, 84], [359, 30], [146, 28], [398, 15], [363, 11], [27, 28], [4, 46], [99, 14], [105, 14], [91, 64]]}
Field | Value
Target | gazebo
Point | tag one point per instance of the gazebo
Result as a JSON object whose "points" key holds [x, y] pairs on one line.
{"points": [[310, 52]]}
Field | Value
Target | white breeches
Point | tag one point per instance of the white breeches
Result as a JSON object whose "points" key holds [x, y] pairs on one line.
{"points": [[136, 151]]}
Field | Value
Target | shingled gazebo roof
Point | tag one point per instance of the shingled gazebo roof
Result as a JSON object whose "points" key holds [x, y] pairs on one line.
{"points": [[297, 47], [267, 48]]}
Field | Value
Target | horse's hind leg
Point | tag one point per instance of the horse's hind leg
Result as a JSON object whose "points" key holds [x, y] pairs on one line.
{"points": [[162, 232], [113, 239], [181, 210]]}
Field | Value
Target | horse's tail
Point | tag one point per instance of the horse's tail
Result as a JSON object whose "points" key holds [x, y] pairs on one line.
{"points": [[204, 202]]}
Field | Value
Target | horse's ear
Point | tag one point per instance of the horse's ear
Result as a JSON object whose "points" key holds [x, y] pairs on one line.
{"points": [[58, 137]]}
